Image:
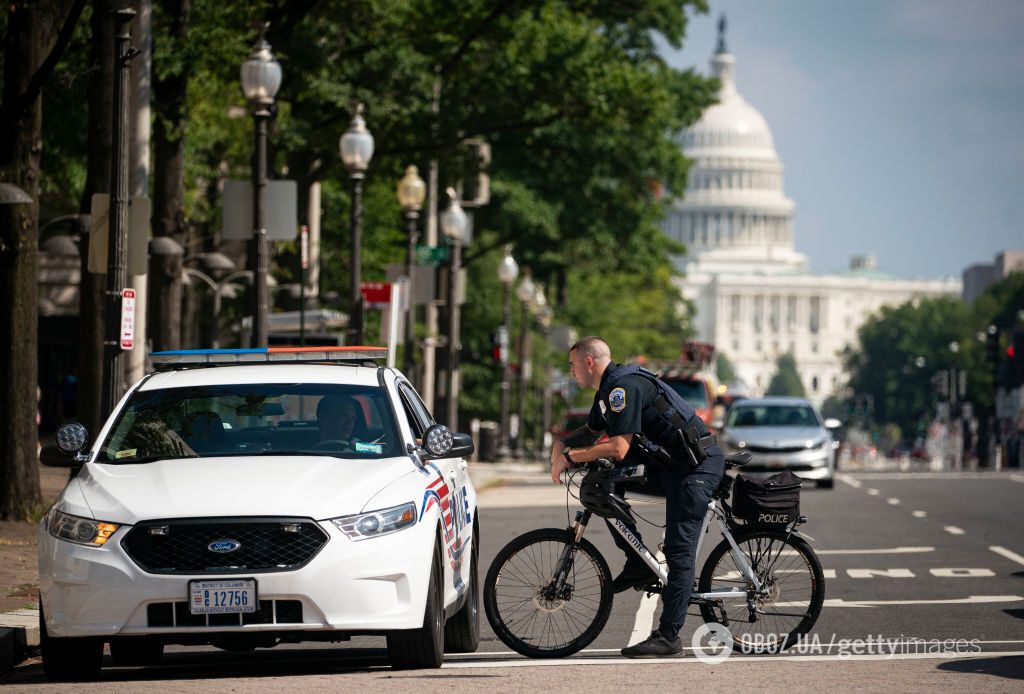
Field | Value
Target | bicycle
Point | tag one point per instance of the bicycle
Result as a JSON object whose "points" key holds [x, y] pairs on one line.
{"points": [[548, 592]]}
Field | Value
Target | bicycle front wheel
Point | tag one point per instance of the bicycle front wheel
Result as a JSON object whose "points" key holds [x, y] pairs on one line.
{"points": [[790, 597], [535, 614]]}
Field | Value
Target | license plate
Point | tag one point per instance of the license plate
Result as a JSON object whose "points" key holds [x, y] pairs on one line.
{"points": [[232, 596], [775, 462]]}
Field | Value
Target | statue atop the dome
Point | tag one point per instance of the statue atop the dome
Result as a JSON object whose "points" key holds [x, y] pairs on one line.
{"points": [[720, 48]]}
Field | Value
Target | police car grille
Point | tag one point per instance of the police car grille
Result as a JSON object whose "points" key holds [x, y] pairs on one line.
{"points": [[264, 544], [775, 449]]}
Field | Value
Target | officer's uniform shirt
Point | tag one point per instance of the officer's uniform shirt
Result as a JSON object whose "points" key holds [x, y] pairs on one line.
{"points": [[623, 405]]}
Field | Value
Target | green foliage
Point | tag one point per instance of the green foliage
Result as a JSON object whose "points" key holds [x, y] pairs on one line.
{"points": [[724, 369], [579, 108], [786, 380]]}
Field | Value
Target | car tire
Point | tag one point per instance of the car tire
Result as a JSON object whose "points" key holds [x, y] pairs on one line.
{"points": [[136, 650], [826, 484], [462, 631], [69, 659], [423, 648]]}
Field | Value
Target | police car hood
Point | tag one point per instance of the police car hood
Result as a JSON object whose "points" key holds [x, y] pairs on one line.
{"points": [[777, 437], [317, 487]]}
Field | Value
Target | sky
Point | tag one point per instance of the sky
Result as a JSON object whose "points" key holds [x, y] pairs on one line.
{"points": [[900, 123]]}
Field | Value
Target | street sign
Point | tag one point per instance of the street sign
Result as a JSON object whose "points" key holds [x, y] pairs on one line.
{"points": [[139, 210], [127, 318], [280, 202], [431, 255], [375, 294]]}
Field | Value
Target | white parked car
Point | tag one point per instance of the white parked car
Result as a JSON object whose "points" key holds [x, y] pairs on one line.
{"points": [[245, 498]]}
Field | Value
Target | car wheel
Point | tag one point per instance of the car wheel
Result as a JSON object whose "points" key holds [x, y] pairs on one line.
{"points": [[826, 484], [69, 659], [462, 631], [136, 650], [413, 649]]}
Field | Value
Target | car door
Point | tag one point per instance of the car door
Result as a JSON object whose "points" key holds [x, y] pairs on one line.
{"points": [[456, 511]]}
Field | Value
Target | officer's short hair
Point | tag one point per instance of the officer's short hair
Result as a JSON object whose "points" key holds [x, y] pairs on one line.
{"points": [[593, 346]]}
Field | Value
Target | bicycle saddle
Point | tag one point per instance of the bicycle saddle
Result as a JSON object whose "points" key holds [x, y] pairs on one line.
{"points": [[737, 459]]}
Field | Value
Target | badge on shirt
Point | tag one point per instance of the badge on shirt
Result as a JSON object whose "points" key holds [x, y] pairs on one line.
{"points": [[617, 400]]}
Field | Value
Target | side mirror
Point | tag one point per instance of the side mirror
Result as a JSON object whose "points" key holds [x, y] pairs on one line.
{"points": [[440, 442], [52, 456]]}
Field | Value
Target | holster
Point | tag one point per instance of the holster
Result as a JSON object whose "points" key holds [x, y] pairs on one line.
{"points": [[693, 438]]}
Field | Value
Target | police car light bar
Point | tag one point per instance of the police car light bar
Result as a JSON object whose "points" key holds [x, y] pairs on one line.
{"points": [[195, 357]]}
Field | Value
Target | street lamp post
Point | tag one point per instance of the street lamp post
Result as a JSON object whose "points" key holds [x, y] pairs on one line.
{"points": [[525, 293], [117, 239], [411, 193], [261, 78], [508, 271], [456, 228], [356, 147]]}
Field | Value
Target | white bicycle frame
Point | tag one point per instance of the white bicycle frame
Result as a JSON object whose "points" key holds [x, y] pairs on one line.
{"points": [[735, 593]]}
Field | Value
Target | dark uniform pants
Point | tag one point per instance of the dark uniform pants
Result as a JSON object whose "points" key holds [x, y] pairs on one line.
{"points": [[687, 493]]}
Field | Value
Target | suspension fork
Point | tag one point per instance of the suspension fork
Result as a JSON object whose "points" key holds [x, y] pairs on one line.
{"points": [[565, 562]]}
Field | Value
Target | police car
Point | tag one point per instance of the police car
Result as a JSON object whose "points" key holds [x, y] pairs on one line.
{"points": [[245, 498]]}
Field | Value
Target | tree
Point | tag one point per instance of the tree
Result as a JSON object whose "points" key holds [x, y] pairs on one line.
{"points": [[37, 34], [786, 380], [724, 369]]}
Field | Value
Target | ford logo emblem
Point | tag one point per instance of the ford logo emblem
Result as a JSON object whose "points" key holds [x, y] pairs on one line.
{"points": [[223, 546]]}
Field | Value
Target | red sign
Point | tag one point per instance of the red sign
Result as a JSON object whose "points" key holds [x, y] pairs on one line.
{"points": [[375, 294], [127, 318]]}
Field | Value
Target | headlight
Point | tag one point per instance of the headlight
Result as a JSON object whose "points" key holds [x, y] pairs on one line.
{"points": [[815, 445], [377, 523], [81, 531]]}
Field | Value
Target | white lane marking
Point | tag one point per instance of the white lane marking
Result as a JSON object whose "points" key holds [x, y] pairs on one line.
{"points": [[454, 657], [1017, 478], [868, 476], [893, 502], [1009, 554], [643, 624], [919, 514], [962, 573], [885, 573], [828, 573], [953, 530], [737, 659], [873, 492], [889, 550], [846, 479], [971, 600]]}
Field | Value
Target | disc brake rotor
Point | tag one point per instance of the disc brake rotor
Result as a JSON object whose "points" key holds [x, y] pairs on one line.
{"points": [[545, 604]]}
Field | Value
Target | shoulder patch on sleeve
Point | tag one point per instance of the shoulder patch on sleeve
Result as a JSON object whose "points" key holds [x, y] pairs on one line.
{"points": [[617, 400]]}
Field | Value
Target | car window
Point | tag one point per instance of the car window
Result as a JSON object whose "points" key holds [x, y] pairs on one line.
{"points": [[772, 416], [419, 418], [693, 392], [253, 419]]}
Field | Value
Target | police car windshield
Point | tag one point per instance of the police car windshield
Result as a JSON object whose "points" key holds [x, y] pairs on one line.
{"points": [[253, 419], [772, 416]]}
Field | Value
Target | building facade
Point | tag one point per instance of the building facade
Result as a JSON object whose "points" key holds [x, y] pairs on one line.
{"points": [[753, 294]]}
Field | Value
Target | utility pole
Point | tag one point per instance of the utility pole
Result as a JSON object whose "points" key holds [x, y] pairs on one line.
{"points": [[117, 241]]}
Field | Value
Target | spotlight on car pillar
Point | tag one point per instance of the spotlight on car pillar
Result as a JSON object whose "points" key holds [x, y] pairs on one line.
{"points": [[72, 437], [438, 440]]}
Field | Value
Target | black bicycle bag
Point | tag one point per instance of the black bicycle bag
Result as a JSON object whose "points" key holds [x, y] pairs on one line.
{"points": [[768, 501]]}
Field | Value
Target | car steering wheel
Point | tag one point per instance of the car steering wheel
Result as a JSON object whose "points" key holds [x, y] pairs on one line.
{"points": [[331, 445]]}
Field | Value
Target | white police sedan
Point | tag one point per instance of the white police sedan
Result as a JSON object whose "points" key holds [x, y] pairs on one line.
{"points": [[244, 498]]}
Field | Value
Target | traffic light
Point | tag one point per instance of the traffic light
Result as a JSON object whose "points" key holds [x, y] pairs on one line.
{"points": [[476, 184], [1016, 354], [992, 345]]}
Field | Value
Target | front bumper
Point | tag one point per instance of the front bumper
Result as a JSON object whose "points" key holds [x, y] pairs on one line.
{"points": [[811, 464], [372, 585]]}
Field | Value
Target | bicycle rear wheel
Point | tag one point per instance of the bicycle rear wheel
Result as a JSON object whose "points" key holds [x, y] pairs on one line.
{"points": [[529, 612], [791, 596]]}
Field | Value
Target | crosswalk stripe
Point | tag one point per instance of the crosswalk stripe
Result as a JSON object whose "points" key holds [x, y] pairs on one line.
{"points": [[1009, 554]]}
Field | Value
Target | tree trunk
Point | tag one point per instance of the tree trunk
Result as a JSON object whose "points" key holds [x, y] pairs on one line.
{"points": [[169, 97], [37, 34]]}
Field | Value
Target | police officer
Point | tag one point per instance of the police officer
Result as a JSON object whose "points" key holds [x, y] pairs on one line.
{"points": [[636, 409]]}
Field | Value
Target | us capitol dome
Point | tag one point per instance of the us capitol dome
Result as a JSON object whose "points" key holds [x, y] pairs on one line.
{"points": [[753, 295]]}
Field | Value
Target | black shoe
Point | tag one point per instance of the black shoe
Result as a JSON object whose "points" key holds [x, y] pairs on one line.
{"points": [[654, 646], [633, 577]]}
